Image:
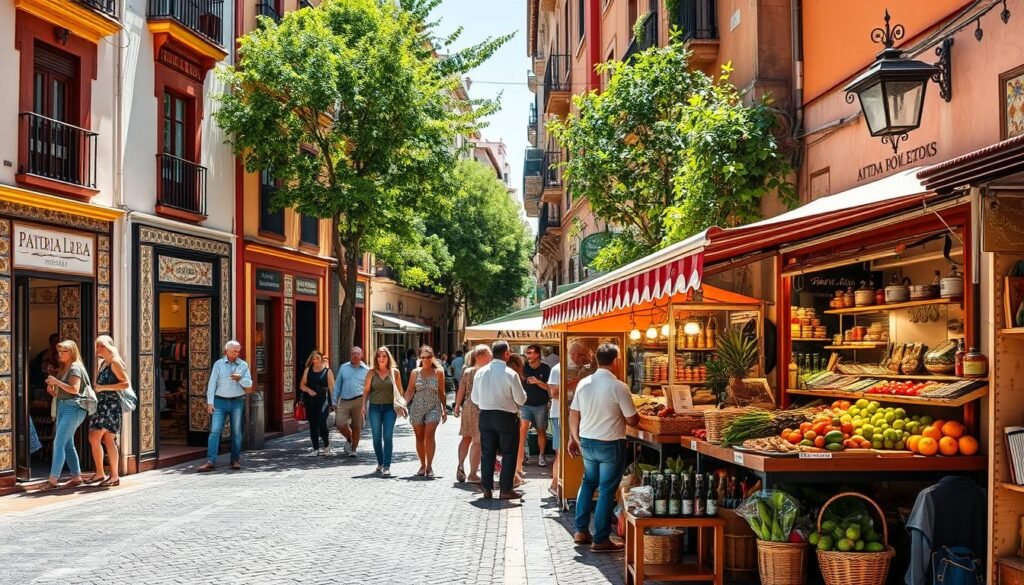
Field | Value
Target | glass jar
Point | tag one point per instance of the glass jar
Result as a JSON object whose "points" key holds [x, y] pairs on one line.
{"points": [[975, 364]]}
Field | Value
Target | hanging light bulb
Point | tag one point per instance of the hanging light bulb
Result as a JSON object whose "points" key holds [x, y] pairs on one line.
{"points": [[652, 333], [664, 330], [691, 328], [634, 335], [175, 306]]}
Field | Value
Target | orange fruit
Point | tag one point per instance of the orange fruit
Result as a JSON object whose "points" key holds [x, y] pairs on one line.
{"points": [[932, 432], [938, 424], [927, 446], [948, 446], [795, 437], [953, 429], [819, 442], [968, 445], [805, 426], [912, 443], [810, 435]]}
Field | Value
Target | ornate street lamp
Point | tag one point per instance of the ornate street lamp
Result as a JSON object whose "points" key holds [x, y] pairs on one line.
{"points": [[892, 90]]}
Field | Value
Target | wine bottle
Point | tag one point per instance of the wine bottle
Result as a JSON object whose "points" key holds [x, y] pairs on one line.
{"points": [[660, 496], [687, 497], [711, 505], [674, 505], [699, 497]]}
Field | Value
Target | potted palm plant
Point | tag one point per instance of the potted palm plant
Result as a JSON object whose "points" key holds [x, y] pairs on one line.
{"points": [[737, 354]]}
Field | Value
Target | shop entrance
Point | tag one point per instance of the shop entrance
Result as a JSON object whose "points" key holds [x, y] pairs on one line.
{"points": [[46, 311], [184, 344], [268, 377], [306, 337]]}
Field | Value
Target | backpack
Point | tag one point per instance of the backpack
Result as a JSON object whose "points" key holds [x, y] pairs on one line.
{"points": [[957, 565]]}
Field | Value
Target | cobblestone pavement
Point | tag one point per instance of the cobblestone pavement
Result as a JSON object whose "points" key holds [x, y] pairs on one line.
{"points": [[286, 518]]}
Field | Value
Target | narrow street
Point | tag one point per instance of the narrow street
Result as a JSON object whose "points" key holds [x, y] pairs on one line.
{"points": [[286, 518]]}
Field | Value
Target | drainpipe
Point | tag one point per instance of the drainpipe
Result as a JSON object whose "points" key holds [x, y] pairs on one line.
{"points": [[594, 44], [798, 78], [121, 236], [238, 222]]}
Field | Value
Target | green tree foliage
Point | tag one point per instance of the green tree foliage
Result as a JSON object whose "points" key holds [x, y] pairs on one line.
{"points": [[665, 152], [488, 241], [352, 107]]}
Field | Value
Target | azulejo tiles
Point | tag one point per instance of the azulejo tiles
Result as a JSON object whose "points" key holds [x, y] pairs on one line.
{"points": [[181, 271], [147, 403], [145, 299], [166, 238], [5, 404]]}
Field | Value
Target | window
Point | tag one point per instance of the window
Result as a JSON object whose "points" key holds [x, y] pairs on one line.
{"points": [[271, 222], [632, 12], [56, 145], [572, 270], [175, 122], [581, 18], [309, 230], [54, 78]]}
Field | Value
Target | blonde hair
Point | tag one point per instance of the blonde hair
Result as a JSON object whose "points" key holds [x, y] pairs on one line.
{"points": [[391, 358], [71, 347], [108, 342], [476, 352], [313, 354]]}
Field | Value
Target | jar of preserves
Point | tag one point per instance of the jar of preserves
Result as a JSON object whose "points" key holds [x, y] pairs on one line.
{"points": [[975, 364]]}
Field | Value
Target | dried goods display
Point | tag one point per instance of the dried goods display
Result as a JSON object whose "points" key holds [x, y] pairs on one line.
{"points": [[923, 388]]}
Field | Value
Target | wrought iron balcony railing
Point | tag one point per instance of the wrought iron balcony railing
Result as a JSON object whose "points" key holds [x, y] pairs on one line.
{"points": [[58, 151], [648, 36], [552, 169], [203, 17], [182, 184], [268, 8], [108, 7], [556, 74], [697, 18], [550, 216]]}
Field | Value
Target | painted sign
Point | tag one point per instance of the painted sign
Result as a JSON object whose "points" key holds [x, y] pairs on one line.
{"points": [[513, 335], [897, 161], [592, 244], [268, 280], [53, 250], [306, 286], [183, 271], [361, 294]]}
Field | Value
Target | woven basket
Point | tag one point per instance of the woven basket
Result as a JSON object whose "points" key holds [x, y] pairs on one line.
{"points": [[715, 421], [740, 547], [782, 563], [855, 568], [663, 549], [681, 423]]}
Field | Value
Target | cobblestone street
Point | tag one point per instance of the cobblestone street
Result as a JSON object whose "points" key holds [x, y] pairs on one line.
{"points": [[286, 518]]}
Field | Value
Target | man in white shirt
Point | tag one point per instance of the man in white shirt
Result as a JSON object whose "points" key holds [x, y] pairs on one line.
{"points": [[499, 393], [554, 384], [600, 411]]}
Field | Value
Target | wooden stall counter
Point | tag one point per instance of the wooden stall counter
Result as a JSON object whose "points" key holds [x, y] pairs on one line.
{"points": [[637, 571]]}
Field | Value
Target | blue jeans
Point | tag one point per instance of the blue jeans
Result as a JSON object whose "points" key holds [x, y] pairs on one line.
{"points": [[222, 407], [69, 417], [382, 426], [602, 471]]}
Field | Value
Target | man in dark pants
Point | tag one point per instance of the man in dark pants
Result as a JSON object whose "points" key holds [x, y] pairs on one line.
{"points": [[499, 393]]}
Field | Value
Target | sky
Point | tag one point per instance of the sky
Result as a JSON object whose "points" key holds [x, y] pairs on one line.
{"points": [[504, 74]]}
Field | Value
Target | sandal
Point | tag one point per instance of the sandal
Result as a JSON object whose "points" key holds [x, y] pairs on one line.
{"points": [[430, 473], [472, 479], [47, 487], [421, 472], [74, 483], [96, 479], [460, 475], [109, 482]]}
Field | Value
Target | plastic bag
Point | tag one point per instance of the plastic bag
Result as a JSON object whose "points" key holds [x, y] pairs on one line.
{"points": [[771, 514], [640, 501]]}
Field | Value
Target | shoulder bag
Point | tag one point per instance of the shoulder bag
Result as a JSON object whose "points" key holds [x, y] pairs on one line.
{"points": [[957, 565], [87, 398], [129, 399]]}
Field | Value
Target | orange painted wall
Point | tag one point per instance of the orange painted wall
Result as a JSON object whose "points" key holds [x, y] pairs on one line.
{"points": [[837, 35]]}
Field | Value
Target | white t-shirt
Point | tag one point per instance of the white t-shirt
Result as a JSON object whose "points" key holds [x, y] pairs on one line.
{"points": [[603, 402], [555, 379]]}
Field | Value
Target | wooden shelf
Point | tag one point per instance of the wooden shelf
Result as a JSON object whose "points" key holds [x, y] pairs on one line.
{"points": [[651, 437], [921, 400], [815, 339], [859, 345], [679, 349], [1012, 331], [1011, 486], [892, 307], [922, 377]]}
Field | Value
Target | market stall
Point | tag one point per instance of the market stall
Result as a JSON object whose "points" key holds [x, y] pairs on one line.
{"points": [[519, 328]]}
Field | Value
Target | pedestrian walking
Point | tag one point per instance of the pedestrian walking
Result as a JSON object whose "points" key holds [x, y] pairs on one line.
{"points": [[535, 411], [458, 364], [600, 411], [348, 406], [230, 381], [554, 386], [104, 426], [499, 393], [382, 404], [70, 388], [469, 428], [316, 382], [426, 398]]}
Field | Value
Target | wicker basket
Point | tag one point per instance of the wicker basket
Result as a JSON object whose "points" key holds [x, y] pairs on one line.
{"points": [[663, 549], [715, 421], [740, 547], [681, 423], [855, 568], [782, 563]]}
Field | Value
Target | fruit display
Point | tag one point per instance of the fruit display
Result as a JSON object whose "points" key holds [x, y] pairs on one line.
{"points": [[855, 534], [860, 383], [650, 406], [762, 423], [771, 514]]}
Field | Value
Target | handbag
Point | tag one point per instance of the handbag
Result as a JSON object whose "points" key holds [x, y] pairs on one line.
{"points": [[129, 400], [88, 399], [956, 565], [300, 411]]}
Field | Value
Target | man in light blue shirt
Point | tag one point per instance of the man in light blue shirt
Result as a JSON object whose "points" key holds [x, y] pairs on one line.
{"points": [[230, 381], [457, 365], [348, 394]]}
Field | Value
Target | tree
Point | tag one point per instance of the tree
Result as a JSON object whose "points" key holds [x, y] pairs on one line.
{"points": [[665, 152], [350, 106], [489, 244]]}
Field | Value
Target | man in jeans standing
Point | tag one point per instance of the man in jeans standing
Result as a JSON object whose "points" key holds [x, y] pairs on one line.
{"points": [[230, 381], [348, 395], [535, 410], [600, 411], [499, 394]]}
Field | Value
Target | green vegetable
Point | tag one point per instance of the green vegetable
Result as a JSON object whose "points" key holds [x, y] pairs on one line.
{"points": [[874, 547], [764, 513], [814, 538], [825, 543]]}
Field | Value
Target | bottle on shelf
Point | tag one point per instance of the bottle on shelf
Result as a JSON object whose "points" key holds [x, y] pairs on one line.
{"points": [[712, 332], [961, 351], [674, 505], [660, 496], [700, 504], [711, 505], [794, 373], [687, 496]]}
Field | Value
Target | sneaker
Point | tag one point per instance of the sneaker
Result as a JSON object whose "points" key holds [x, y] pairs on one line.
{"points": [[312, 453], [542, 461], [380, 469], [386, 472], [351, 452], [327, 452]]}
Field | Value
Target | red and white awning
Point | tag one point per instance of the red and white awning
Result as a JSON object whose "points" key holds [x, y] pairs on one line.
{"points": [[674, 270]]}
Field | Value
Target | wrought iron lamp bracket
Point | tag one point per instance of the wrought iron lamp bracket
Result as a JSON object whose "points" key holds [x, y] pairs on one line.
{"points": [[945, 67]]}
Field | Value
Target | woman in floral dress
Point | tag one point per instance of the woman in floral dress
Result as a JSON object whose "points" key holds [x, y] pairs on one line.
{"points": [[104, 426]]}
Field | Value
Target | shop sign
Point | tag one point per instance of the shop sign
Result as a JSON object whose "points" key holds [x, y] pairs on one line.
{"points": [[361, 294], [268, 280], [816, 289], [1004, 225], [592, 244], [305, 286], [53, 250], [897, 161], [513, 335], [180, 271]]}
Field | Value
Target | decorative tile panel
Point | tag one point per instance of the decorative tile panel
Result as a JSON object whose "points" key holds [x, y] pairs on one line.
{"points": [[225, 301], [1013, 105], [103, 260], [199, 414], [152, 235], [6, 418], [289, 286], [5, 355], [198, 382], [69, 313], [147, 403], [181, 271], [6, 452], [5, 247], [103, 310], [51, 216], [146, 299], [5, 304], [199, 356]]}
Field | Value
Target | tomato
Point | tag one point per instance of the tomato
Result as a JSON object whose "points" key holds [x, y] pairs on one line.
{"points": [[785, 433], [819, 442], [822, 427], [847, 428], [804, 427], [795, 437]]}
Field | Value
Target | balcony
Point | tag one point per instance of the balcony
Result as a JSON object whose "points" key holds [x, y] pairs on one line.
{"points": [[92, 20], [267, 8], [699, 23], [181, 189], [56, 156], [533, 180], [531, 126], [549, 231], [648, 38], [552, 168], [195, 25], [557, 86], [305, 4]]}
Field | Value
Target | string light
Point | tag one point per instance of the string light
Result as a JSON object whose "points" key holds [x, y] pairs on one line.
{"points": [[691, 328]]}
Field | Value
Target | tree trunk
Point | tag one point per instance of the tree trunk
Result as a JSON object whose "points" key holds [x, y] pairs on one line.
{"points": [[347, 254]]}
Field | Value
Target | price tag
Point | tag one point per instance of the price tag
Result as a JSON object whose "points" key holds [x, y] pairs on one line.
{"points": [[815, 456], [737, 458], [693, 445]]}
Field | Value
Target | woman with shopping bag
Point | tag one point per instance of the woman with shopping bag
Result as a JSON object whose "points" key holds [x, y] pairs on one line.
{"points": [[114, 395]]}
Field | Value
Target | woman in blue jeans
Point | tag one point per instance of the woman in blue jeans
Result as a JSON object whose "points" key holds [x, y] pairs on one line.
{"points": [[67, 388], [382, 401]]}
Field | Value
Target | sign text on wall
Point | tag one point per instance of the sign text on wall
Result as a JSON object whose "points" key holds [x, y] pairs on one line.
{"points": [[897, 161], [53, 250]]}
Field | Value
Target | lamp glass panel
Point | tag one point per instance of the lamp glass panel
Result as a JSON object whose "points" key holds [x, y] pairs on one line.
{"points": [[904, 99], [873, 105]]}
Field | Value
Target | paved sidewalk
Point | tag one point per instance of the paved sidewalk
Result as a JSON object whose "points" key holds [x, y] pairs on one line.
{"points": [[286, 518]]}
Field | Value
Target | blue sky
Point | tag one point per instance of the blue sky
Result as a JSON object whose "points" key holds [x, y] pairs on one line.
{"points": [[504, 73]]}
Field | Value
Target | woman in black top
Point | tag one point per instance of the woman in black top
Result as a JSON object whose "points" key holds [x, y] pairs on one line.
{"points": [[316, 383]]}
